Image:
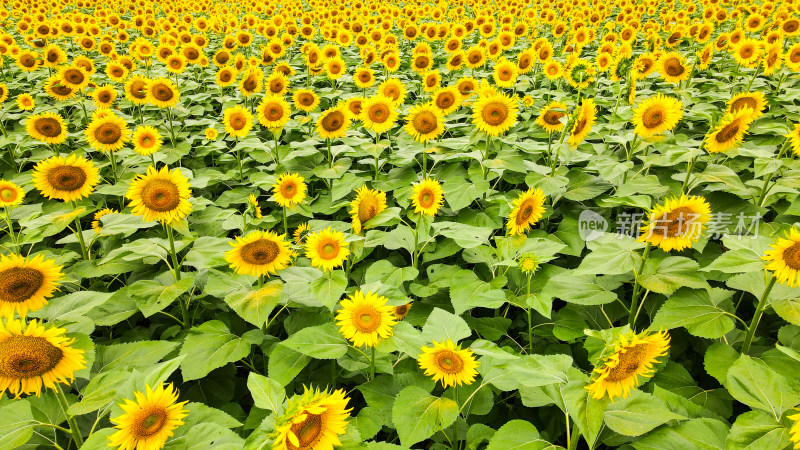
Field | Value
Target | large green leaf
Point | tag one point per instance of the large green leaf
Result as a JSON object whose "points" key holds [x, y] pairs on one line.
{"points": [[417, 415], [755, 384], [319, 342], [212, 345], [638, 414], [16, 424], [518, 435], [704, 314]]}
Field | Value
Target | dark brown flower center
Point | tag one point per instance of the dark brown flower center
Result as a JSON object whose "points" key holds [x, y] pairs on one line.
{"points": [[333, 121], [673, 67], [66, 178], [425, 122], [728, 132], [553, 117], [260, 252], [162, 92], [494, 113], [378, 113], [48, 127], [629, 363], [307, 431], [161, 195], [27, 356], [653, 117], [149, 422], [744, 102], [108, 133], [449, 362], [791, 256], [18, 284]]}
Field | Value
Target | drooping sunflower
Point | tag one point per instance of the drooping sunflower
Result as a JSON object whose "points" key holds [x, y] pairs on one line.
{"points": [[96, 224], [784, 259], [312, 421], [368, 204], [108, 133], [161, 195], [730, 132], [104, 96], [677, 223], [427, 197], [146, 140], [551, 117], [365, 319], [162, 92], [629, 365], [148, 421], [334, 122], [528, 209], [672, 67], [584, 120], [494, 114], [259, 253], [10, 194], [656, 115], [424, 122], [25, 284], [68, 179], [305, 100], [326, 249], [238, 121], [378, 114], [47, 127], [753, 100], [25, 102], [289, 190], [35, 355], [449, 363], [273, 112]]}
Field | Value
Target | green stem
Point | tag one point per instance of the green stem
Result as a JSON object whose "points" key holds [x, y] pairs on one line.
{"points": [[11, 228], [113, 158], [689, 169], [79, 233], [637, 286], [285, 228], [372, 364], [73, 425], [762, 303], [530, 317], [763, 195], [330, 155], [175, 267], [171, 129]]}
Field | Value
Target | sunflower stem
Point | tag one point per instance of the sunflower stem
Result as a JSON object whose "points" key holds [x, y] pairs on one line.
{"points": [[11, 228], [763, 196], [372, 364], [530, 317], [762, 302], [637, 287], [175, 267], [81, 241], [73, 425], [113, 159], [285, 228], [689, 169], [171, 129]]}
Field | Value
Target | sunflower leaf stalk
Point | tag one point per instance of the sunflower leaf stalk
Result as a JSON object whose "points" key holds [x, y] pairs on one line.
{"points": [[73, 425], [762, 303], [637, 287]]}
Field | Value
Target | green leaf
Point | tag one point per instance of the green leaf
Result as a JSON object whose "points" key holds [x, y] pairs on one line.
{"points": [[99, 392], [408, 339], [319, 342], [330, 287], [16, 424], [387, 273], [131, 355], [267, 394], [703, 315], [718, 360], [466, 236], [98, 440], [612, 254], [255, 306], [518, 435], [755, 430], [152, 296], [695, 434], [284, 364], [208, 251], [755, 384], [666, 275], [541, 370], [466, 295], [417, 415], [585, 411], [583, 289], [442, 325], [212, 345], [638, 414]]}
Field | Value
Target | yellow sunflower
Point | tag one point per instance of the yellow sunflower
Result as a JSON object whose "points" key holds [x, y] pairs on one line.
{"points": [[211, 133], [672, 67], [25, 284], [300, 232], [47, 127], [68, 179], [326, 249], [54, 88], [365, 319], [656, 115], [784, 259], [3, 92], [447, 99], [10, 194], [505, 73], [104, 96], [424, 122], [528, 209], [162, 92], [312, 421], [552, 117], [74, 77], [25, 102], [334, 122], [146, 140], [161, 195], [273, 112], [427, 197], [677, 223], [289, 190], [449, 363], [259, 253], [148, 421], [34, 355], [237, 120], [378, 114], [394, 89], [96, 224], [494, 114], [730, 132], [136, 90], [753, 100], [368, 204], [585, 119], [630, 364], [305, 100], [108, 133]]}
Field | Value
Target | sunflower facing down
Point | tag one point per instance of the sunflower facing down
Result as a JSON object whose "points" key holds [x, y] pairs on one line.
{"points": [[25, 284], [365, 319], [161, 195], [551, 117], [334, 122], [657, 115], [424, 122], [528, 209], [259, 253], [108, 133], [312, 421], [47, 127], [753, 100], [677, 223], [326, 249], [449, 363], [148, 421], [289, 190], [630, 364], [146, 140], [585, 119], [368, 204], [730, 132], [494, 114], [10, 194], [68, 179], [427, 197], [33, 355], [784, 259]]}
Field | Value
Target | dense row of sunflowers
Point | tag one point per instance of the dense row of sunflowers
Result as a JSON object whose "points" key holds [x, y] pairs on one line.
{"points": [[328, 215]]}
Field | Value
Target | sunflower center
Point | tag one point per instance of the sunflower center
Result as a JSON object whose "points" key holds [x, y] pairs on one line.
{"points": [[273, 112], [629, 363], [366, 319], [744, 102], [494, 113], [333, 121], [74, 76], [47, 126], [151, 421], [553, 117], [8, 195], [162, 92], [108, 133], [653, 117], [250, 84], [392, 93], [27, 61], [60, 89], [678, 221], [238, 121], [367, 208], [580, 124], [378, 113], [18, 284], [160, 195], [260, 252], [504, 75], [66, 178], [329, 250], [27, 356], [288, 190], [791, 256], [104, 97], [673, 67], [307, 431], [524, 62], [445, 100], [401, 311], [425, 122], [426, 199], [525, 212], [305, 99], [728, 132], [276, 86], [136, 90], [449, 362]]}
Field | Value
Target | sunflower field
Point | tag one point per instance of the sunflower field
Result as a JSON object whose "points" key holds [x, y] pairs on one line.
{"points": [[378, 225]]}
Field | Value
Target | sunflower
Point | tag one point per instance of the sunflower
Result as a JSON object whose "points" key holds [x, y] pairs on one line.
{"points": [[730, 132], [25, 102], [368, 204], [289, 190], [305, 100], [108, 133], [238, 121], [794, 432], [149, 421], [467, 87], [784, 259], [753, 100], [96, 224], [25, 284], [677, 223], [364, 77], [74, 77], [47, 127], [335, 68], [400, 312], [146, 140], [528, 263], [162, 92], [672, 67], [505, 73], [585, 119], [431, 81], [630, 364], [161, 195], [300, 232], [314, 420], [552, 117], [449, 363], [259, 253], [427, 197], [277, 83], [10, 194], [226, 75], [116, 72], [68, 179], [553, 70], [494, 114], [211, 133], [424, 122], [447, 99], [365, 319], [747, 52], [326, 249], [378, 114], [54, 88], [528, 209], [136, 90], [273, 112], [104, 96], [394, 89], [3, 92], [334, 122], [175, 63], [656, 115]]}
